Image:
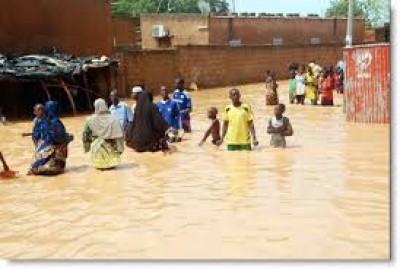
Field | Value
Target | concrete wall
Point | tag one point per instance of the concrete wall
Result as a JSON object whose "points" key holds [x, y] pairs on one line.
{"points": [[210, 66], [81, 27], [258, 31], [184, 29]]}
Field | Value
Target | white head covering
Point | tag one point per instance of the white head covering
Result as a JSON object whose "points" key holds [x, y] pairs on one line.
{"points": [[103, 124], [137, 89]]}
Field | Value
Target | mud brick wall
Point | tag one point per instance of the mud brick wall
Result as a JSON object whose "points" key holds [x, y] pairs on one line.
{"points": [[151, 68], [81, 27], [124, 32], [212, 66]]}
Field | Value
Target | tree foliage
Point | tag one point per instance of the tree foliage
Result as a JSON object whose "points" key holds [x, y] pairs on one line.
{"points": [[374, 11], [129, 7]]}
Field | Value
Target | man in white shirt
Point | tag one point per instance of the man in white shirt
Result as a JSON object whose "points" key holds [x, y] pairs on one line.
{"points": [[136, 91], [120, 110]]}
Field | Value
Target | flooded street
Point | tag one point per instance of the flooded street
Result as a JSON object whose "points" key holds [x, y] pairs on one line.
{"points": [[324, 197]]}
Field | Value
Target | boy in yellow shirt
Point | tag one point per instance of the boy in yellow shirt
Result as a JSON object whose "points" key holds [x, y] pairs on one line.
{"points": [[238, 124]]}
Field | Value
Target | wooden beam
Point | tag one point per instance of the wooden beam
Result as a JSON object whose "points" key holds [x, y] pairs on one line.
{"points": [[68, 92], [46, 90]]}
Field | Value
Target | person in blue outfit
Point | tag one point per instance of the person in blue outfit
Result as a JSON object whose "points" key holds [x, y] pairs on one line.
{"points": [[52, 143], [170, 111], [121, 111], [184, 101]]}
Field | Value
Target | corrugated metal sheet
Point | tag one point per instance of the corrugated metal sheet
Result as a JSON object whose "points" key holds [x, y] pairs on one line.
{"points": [[367, 86]]}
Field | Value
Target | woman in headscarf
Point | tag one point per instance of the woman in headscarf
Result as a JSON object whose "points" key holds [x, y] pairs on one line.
{"points": [[52, 143], [311, 86], [149, 130], [103, 137]]}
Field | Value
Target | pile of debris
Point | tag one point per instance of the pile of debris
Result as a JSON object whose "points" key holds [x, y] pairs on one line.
{"points": [[59, 74], [49, 66]]}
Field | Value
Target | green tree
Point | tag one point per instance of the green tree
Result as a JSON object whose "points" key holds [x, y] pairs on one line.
{"points": [[374, 11], [128, 7]]}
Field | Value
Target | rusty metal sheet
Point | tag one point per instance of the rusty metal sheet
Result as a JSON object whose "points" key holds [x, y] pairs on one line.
{"points": [[367, 85]]}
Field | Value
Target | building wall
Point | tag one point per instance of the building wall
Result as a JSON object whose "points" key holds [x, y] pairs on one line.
{"points": [[151, 68], [210, 66], [81, 27], [258, 31], [124, 31], [184, 29], [250, 30]]}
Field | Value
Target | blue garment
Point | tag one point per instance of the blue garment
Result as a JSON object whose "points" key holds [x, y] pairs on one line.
{"points": [[123, 113], [170, 112], [50, 132], [184, 101], [37, 128]]}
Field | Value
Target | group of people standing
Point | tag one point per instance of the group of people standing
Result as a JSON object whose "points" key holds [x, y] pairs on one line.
{"points": [[315, 84], [146, 127]]}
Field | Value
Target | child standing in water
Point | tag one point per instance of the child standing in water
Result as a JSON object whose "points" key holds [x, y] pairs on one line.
{"points": [[38, 111], [214, 129], [279, 127], [292, 88]]}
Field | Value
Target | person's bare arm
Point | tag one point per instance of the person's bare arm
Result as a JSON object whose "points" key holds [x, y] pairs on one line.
{"points": [[224, 131], [253, 133], [270, 129], [288, 130], [207, 133]]}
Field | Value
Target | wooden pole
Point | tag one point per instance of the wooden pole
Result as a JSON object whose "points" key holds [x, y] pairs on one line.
{"points": [[46, 90], [68, 92]]}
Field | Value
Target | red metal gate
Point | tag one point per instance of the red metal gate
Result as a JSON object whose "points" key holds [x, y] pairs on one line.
{"points": [[367, 85]]}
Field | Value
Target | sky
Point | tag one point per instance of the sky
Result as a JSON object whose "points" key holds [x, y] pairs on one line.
{"points": [[282, 6]]}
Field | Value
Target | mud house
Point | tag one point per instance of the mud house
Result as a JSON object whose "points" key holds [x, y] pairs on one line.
{"points": [[75, 27]]}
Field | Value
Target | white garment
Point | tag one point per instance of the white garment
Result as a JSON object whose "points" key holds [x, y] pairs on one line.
{"points": [[103, 124], [300, 84], [276, 123]]}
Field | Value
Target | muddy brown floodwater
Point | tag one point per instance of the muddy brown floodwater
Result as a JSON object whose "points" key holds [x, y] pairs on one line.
{"points": [[324, 197]]}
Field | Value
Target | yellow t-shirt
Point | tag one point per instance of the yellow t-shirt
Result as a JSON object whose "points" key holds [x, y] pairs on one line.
{"points": [[238, 119]]}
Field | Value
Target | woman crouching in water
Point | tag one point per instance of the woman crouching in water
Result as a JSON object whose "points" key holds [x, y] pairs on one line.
{"points": [[51, 151], [103, 137], [148, 132]]}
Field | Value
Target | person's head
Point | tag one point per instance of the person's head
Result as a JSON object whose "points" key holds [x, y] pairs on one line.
{"points": [[212, 113], [38, 110], [313, 61], [325, 73], [100, 106], [180, 83], [279, 109], [51, 110], [136, 92], [234, 95], [114, 97], [309, 70], [302, 69], [164, 93]]}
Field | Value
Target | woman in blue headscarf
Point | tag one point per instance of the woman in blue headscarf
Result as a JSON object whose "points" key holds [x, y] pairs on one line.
{"points": [[51, 150]]}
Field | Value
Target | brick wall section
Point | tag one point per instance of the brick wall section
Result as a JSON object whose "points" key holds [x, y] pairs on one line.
{"points": [[184, 28], [81, 27], [261, 31], [221, 65], [210, 66], [124, 33], [152, 68]]}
